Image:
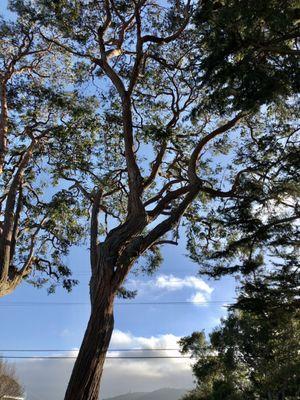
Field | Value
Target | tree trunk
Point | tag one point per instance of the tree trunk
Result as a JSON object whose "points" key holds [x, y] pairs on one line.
{"points": [[3, 125], [85, 380]]}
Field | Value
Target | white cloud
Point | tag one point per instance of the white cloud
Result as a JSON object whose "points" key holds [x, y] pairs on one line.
{"points": [[171, 282], [199, 299], [125, 340], [120, 339], [47, 379]]}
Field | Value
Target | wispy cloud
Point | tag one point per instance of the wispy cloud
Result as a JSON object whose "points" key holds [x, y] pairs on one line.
{"points": [[65, 333], [171, 282]]}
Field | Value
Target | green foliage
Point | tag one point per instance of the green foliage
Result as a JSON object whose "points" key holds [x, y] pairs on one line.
{"points": [[123, 293], [156, 132], [246, 209], [151, 261], [42, 114], [257, 225], [248, 52], [165, 145], [252, 354]]}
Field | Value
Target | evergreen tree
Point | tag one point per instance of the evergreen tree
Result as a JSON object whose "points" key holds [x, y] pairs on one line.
{"points": [[37, 223], [253, 354], [155, 164], [248, 52]]}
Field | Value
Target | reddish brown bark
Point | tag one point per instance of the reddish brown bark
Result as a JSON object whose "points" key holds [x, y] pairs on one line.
{"points": [[3, 125], [87, 372]]}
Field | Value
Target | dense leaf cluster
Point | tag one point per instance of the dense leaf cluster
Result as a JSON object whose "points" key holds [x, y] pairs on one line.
{"points": [[248, 52], [254, 353]]}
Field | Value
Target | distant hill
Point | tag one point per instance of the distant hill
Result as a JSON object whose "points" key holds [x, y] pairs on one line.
{"points": [[161, 394], [129, 396]]}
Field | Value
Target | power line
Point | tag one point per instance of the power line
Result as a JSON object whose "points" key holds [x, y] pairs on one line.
{"points": [[64, 350], [135, 303], [88, 274], [108, 357]]}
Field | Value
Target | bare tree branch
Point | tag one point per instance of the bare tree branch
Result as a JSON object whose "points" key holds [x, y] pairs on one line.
{"points": [[199, 147]]}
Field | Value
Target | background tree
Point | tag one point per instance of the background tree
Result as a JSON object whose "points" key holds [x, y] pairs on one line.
{"points": [[254, 353], [9, 385], [37, 223], [248, 52], [152, 168]]}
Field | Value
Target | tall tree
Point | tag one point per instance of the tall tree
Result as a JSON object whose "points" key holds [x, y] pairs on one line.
{"points": [[254, 353], [152, 167], [37, 227]]}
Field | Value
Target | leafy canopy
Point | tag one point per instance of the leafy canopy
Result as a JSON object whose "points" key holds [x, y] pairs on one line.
{"points": [[230, 178], [37, 224], [248, 52], [172, 150]]}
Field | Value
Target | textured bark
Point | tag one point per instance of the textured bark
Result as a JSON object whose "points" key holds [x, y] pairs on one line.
{"points": [[11, 219], [87, 372], [3, 125], [135, 180]]}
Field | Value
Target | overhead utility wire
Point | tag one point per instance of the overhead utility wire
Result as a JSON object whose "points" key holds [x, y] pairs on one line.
{"points": [[37, 304], [108, 357], [63, 350]]}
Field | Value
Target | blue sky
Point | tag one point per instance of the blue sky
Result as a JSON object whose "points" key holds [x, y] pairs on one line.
{"points": [[62, 326], [153, 326]]}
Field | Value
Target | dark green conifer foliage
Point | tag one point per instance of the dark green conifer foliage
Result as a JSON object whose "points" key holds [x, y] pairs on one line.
{"points": [[254, 353], [248, 52]]}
